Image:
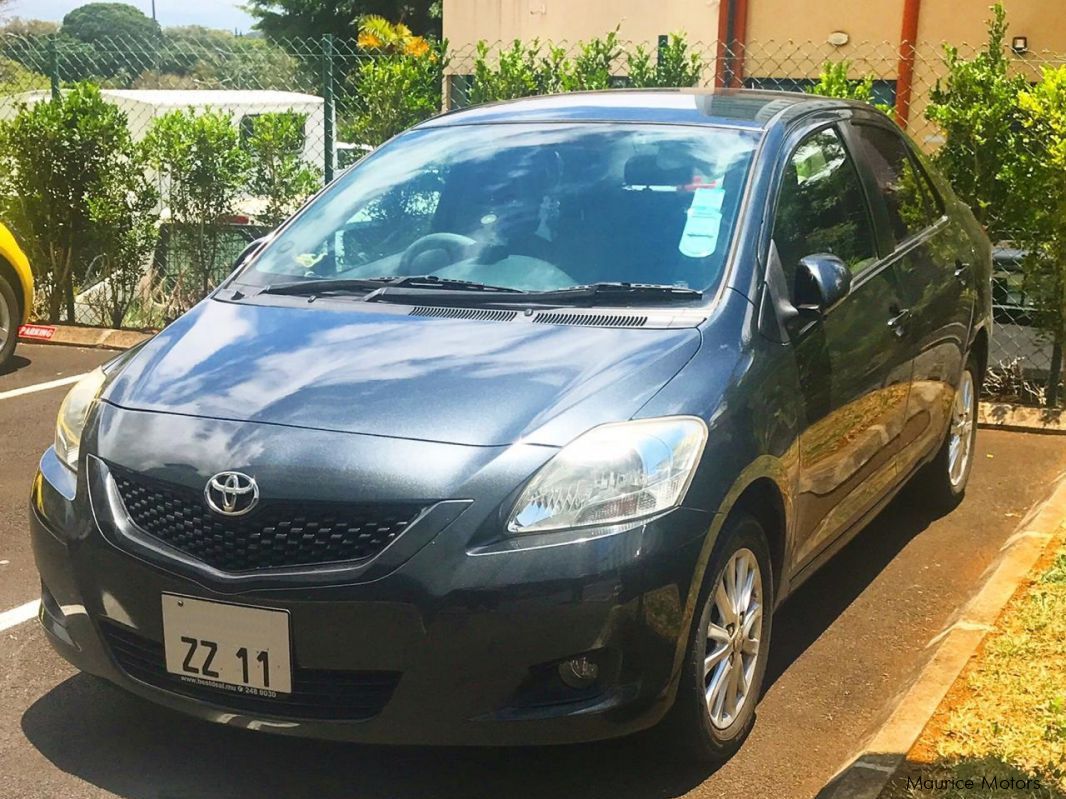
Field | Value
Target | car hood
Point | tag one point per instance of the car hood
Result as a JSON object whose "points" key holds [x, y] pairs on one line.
{"points": [[382, 372]]}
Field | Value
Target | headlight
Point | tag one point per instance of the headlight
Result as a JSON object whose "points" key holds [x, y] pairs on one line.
{"points": [[611, 474], [73, 413]]}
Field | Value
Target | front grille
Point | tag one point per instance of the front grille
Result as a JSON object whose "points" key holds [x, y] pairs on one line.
{"points": [[316, 693], [276, 534]]}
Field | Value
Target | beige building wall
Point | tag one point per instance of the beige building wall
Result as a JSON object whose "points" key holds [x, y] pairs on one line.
{"points": [[467, 21], [784, 39]]}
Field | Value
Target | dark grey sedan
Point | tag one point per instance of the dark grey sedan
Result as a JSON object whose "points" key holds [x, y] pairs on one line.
{"points": [[521, 430]]}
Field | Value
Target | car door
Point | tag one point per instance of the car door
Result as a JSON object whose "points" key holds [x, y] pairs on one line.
{"points": [[854, 367], [934, 259]]}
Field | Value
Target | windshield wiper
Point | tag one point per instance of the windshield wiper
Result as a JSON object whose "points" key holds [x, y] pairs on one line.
{"points": [[377, 286], [432, 283], [458, 293], [593, 292]]}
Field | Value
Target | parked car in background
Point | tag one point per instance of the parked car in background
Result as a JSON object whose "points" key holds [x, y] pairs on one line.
{"points": [[1010, 304], [16, 293], [521, 430]]}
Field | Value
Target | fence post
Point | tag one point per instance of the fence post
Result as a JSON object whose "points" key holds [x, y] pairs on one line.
{"points": [[660, 51], [53, 66], [328, 106], [1054, 375]]}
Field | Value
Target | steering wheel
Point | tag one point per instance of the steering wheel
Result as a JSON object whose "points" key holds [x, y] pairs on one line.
{"points": [[432, 252]]}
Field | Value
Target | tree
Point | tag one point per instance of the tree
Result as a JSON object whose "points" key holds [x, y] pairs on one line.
{"points": [[25, 41], [977, 109], [95, 23], [279, 172], [203, 170], [283, 20], [105, 40], [58, 159]]}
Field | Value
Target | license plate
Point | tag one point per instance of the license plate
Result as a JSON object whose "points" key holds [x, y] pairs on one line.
{"points": [[234, 647]]}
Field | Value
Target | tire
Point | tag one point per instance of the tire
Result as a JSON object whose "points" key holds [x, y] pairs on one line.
{"points": [[943, 481], [703, 730], [9, 321]]}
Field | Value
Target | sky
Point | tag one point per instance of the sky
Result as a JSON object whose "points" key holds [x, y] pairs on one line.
{"points": [[225, 14]]}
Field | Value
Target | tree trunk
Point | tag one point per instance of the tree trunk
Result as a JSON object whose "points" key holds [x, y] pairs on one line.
{"points": [[54, 300], [1055, 373], [68, 291]]}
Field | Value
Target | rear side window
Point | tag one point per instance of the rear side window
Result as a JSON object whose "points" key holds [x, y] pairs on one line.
{"points": [[821, 207], [909, 199]]}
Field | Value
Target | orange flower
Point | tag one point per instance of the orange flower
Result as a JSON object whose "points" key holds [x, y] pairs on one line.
{"points": [[369, 41], [416, 46]]}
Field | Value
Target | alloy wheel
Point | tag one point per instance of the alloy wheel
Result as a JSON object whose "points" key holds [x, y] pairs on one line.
{"points": [[960, 443], [5, 323], [732, 640]]}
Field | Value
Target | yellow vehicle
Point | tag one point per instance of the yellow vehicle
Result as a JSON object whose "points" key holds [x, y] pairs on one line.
{"points": [[16, 293]]}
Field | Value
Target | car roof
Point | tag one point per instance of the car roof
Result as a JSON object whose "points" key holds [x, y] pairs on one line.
{"points": [[750, 109]]}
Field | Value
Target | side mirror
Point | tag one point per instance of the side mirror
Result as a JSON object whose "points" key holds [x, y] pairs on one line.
{"points": [[822, 281]]}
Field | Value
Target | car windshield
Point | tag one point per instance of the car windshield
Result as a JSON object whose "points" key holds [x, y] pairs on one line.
{"points": [[526, 207]]}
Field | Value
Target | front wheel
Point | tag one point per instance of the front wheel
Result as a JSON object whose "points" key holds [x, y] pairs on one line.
{"points": [[9, 321], [946, 476], [727, 650]]}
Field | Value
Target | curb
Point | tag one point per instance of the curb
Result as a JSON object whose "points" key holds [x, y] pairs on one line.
{"points": [[1004, 416], [866, 775], [78, 336]]}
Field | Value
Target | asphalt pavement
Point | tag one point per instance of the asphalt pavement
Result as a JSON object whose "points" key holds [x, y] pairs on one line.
{"points": [[844, 646]]}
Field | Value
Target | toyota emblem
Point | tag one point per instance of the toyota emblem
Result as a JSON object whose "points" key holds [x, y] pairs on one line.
{"points": [[231, 493]]}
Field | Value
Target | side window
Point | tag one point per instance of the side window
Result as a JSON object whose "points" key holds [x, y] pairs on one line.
{"points": [[821, 207], [909, 199]]}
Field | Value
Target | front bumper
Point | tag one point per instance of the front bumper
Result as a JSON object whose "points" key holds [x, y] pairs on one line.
{"points": [[459, 642]]}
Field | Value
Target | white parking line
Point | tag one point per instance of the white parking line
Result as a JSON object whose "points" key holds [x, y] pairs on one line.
{"points": [[15, 616], [63, 381]]}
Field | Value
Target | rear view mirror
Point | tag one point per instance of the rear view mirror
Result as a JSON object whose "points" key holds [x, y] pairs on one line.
{"points": [[822, 281]]}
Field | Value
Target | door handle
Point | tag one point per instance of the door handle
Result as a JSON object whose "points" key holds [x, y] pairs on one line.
{"points": [[897, 323]]}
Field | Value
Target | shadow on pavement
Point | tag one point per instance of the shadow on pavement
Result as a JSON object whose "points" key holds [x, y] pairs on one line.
{"points": [[132, 748], [819, 601], [17, 362]]}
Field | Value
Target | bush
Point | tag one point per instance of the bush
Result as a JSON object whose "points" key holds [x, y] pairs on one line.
{"points": [[673, 66], [124, 236], [15, 78], [977, 109], [203, 170], [524, 70], [394, 92], [279, 174], [517, 72], [62, 164], [399, 86], [1041, 168], [833, 81], [594, 65]]}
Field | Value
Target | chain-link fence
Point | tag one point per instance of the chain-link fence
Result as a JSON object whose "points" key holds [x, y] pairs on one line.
{"points": [[286, 117]]}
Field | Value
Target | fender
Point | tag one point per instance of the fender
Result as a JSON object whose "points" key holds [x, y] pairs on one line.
{"points": [[780, 471], [16, 259]]}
